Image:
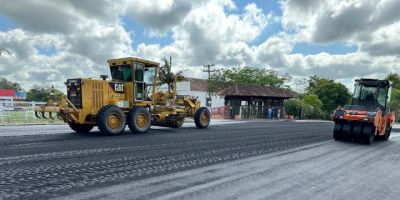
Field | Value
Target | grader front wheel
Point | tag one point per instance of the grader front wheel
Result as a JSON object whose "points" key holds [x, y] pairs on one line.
{"points": [[111, 120], [139, 120], [202, 117]]}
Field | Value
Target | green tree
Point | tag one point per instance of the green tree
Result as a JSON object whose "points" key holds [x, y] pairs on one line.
{"points": [[395, 95], [247, 75], [167, 76], [330, 93], [395, 79], [293, 107], [307, 108], [5, 84], [38, 93], [312, 100], [310, 112]]}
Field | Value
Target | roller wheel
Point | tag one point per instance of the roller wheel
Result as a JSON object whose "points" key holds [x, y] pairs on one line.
{"points": [[388, 130], [368, 135], [337, 131], [139, 120], [346, 130], [356, 133], [111, 120], [81, 128], [202, 117]]}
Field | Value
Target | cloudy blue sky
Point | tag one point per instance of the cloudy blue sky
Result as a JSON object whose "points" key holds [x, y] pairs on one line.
{"points": [[51, 40]]}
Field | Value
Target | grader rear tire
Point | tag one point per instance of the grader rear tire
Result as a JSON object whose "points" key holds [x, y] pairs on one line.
{"points": [[111, 120], [81, 128], [139, 120], [202, 117]]}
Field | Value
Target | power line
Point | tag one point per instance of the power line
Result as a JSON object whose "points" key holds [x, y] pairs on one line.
{"points": [[207, 68]]}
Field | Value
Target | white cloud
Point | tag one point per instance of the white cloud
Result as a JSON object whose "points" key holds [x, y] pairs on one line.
{"points": [[82, 34], [159, 15], [207, 33], [337, 20], [85, 34]]}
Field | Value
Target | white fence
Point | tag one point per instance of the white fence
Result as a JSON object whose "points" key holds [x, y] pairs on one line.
{"points": [[17, 111], [11, 105]]}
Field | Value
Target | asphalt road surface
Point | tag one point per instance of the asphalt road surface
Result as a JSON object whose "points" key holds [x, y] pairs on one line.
{"points": [[251, 160]]}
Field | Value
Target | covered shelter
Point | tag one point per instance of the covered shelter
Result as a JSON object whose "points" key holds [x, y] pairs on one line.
{"points": [[250, 101]]}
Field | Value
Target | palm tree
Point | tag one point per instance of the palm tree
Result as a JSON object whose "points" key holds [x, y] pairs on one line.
{"points": [[167, 76]]}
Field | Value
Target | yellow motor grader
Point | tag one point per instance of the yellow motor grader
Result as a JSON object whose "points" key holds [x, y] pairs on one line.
{"points": [[131, 98]]}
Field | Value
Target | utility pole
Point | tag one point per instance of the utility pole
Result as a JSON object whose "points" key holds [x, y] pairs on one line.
{"points": [[207, 68]]}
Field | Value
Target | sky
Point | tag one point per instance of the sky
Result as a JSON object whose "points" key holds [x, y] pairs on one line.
{"points": [[51, 41]]}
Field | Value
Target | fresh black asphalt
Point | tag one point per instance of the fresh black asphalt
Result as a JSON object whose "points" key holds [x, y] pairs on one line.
{"points": [[53, 165]]}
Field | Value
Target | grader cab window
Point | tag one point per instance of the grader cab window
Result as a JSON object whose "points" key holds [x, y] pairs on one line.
{"points": [[121, 72], [139, 73], [149, 75]]}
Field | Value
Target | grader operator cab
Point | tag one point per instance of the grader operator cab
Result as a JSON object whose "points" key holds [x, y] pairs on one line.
{"points": [[368, 117], [130, 98]]}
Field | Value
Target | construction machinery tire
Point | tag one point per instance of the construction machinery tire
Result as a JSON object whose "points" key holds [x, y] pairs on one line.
{"points": [[346, 130], [388, 130], [139, 120], [178, 123], [81, 128], [356, 133], [202, 117], [111, 120], [368, 134], [337, 131]]}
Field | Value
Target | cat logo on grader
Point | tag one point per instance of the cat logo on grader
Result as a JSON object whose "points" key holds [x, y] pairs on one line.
{"points": [[130, 98], [368, 117]]}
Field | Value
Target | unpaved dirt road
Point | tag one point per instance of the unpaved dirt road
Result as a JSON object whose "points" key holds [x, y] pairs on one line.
{"points": [[252, 160]]}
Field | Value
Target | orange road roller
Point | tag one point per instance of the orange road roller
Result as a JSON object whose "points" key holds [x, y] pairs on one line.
{"points": [[368, 117]]}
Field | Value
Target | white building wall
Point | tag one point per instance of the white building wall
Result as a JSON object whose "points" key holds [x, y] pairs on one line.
{"points": [[217, 101], [183, 88]]}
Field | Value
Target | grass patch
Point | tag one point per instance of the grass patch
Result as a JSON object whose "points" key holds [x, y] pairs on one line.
{"points": [[25, 117]]}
